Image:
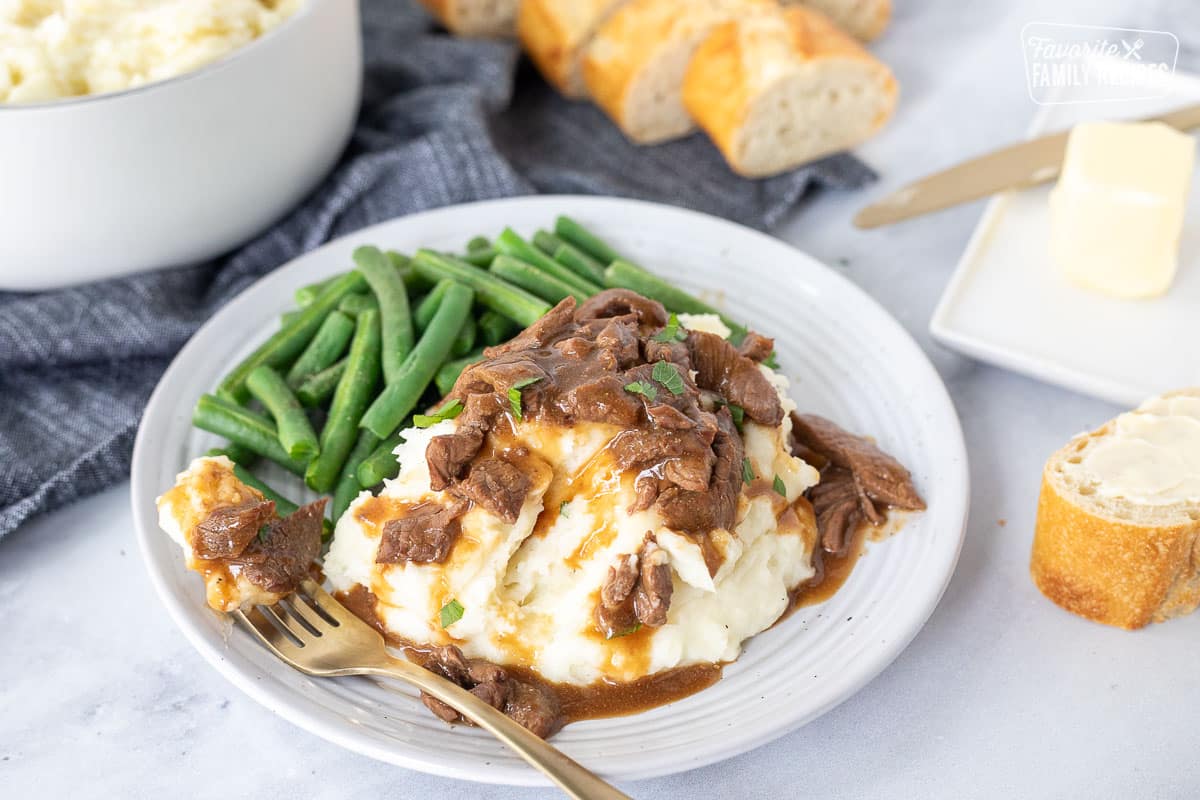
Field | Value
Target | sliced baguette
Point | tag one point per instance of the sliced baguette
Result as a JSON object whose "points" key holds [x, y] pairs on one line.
{"points": [[483, 18], [555, 34], [774, 91], [634, 66], [862, 19], [1109, 559]]}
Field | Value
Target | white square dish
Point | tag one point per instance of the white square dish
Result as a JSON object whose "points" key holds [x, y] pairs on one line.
{"points": [[1007, 305]]}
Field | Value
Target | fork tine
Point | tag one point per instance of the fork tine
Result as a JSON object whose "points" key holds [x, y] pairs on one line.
{"points": [[328, 604], [268, 634], [311, 621], [278, 613]]}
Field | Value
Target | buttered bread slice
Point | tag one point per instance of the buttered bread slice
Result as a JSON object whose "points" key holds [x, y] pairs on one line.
{"points": [[1118, 522]]}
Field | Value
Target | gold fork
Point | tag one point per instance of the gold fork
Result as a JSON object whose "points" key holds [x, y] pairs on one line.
{"points": [[324, 639]]}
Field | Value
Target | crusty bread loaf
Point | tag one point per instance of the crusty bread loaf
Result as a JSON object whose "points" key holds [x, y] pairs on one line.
{"points": [[1110, 559], [634, 66], [777, 90], [476, 17], [862, 19], [555, 34]]}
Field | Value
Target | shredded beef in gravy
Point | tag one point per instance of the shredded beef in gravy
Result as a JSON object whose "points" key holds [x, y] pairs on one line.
{"points": [[859, 481], [272, 553]]}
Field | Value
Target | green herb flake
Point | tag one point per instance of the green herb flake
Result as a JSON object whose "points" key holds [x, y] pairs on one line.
{"points": [[747, 470], [637, 626], [644, 388], [448, 411], [264, 533], [771, 361], [514, 396], [779, 488], [738, 413], [668, 375], [451, 613], [673, 332], [562, 508]]}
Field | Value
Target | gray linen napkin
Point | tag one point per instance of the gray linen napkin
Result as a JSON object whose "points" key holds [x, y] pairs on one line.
{"points": [[440, 124]]}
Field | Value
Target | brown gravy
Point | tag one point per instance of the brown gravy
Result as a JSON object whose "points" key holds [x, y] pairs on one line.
{"points": [[596, 701]]}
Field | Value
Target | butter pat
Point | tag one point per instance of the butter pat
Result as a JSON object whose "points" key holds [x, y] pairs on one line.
{"points": [[1117, 211]]}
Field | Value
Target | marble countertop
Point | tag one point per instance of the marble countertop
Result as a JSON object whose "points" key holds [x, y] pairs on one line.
{"points": [[1002, 694]]}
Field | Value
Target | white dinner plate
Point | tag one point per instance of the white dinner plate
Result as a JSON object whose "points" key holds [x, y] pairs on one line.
{"points": [[1007, 305], [847, 358]]}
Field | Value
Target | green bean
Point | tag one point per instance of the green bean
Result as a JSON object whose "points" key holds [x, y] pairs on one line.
{"points": [[382, 464], [355, 304], [395, 318], [430, 302], [295, 432], [465, 341], [347, 486], [305, 295], [531, 278], [242, 426], [547, 242], [478, 243], [287, 317], [504, 298], [579, 262], [283, 506], [625, 275], [292, 338], [480, 258], [354, 392], [319, 387], [401, 396], [571, 231], [448, 374], [325, 348], [511, 244], [495, 328], [413, 281], [238, 454]]}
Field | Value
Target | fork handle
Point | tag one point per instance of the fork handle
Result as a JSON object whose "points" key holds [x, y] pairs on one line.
{"points": [[573, 778]]}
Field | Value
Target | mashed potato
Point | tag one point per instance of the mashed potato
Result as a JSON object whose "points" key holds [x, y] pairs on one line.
{"points": [[528, 591], [51, 49]]}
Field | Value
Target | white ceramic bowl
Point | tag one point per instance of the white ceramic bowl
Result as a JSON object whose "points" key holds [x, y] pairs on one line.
{"points": [[178, 171]]}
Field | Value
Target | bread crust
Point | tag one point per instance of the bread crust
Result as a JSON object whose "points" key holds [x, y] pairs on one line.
{"points": [[554, 34], [1108, 570], [728, 74], [862, 19], [450, 13]]}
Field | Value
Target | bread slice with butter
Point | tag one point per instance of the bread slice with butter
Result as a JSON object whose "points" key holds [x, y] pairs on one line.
{"points": [[483, 18], [634, 66], [1118, 523], [556, 33], [777, 90], [862, 19]]}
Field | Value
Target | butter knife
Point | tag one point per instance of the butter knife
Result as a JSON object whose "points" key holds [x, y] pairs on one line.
{"points": [[1018, 166]]}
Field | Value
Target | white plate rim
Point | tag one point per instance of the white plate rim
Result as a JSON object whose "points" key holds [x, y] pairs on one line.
{"points": [[285, 704]]}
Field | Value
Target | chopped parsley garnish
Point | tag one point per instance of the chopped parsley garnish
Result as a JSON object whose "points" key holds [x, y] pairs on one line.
{"points": [[562, 508], [738, 413], [264, 533], [644, 388], [668, 375], [451, 613], [514, 395], [747, 470], [673, 332], [778, 486], [771, 361], [448, 411], [634, 628]]}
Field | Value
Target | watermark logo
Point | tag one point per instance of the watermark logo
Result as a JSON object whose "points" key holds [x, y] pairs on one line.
{"points": [[1091, 64]]}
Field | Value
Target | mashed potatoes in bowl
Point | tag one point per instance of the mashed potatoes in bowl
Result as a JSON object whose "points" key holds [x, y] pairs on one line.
{"points": [[53, 49]]}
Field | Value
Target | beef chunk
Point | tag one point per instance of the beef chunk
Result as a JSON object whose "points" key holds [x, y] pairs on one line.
{"points": [[837, 506], [756, 347], [674, 352], [604, 399], [620, 581], [650, 314], [227, 531], [283, 557], [618, 344], [670, 418], [449, 454], [652, 597], [716, 506], [496, 485], [424, 535], [722, 369], [882, 478], [532, 706], [554, 324]]}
